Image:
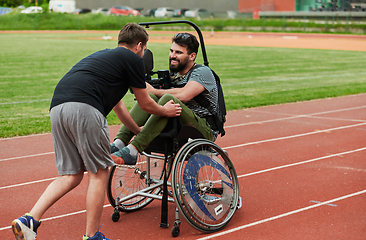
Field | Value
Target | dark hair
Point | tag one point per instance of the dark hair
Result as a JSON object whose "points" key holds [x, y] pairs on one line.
{"points": [[131, 34], [187, 40]]}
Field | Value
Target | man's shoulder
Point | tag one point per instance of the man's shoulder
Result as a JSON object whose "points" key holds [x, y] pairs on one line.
{"points": [[201, 67], [122, 52], [203, 71]]}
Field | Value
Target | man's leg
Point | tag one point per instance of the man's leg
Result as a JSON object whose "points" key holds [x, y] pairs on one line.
{"points": [[155, 124], [54, 192], [95, 200], [139, 116], [26, 226]]}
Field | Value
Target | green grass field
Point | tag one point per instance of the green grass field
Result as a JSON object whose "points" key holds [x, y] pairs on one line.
{"points": [[32, 64]]}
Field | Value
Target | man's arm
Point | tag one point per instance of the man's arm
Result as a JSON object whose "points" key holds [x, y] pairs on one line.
{"points": [[184, 94], [124, 116], [146, 103]]}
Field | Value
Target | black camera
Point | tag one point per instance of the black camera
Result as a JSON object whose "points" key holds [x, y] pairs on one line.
{"points": [[163, 81]]}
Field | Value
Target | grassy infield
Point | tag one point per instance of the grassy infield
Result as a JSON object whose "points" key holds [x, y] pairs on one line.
{"points": [[32, 64], [60, 21]]}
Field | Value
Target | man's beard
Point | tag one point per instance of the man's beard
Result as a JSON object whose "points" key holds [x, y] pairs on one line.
{"points": [[178, 67]]}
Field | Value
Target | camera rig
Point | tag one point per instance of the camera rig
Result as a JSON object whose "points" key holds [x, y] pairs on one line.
{"points": [[163, 81]]}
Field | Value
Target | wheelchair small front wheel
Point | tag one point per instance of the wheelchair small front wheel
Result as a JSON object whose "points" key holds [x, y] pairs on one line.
{"points": [[175, 231], [115, 216], [205, 185]]}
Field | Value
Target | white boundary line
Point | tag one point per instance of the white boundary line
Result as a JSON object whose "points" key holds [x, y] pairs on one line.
{"points": [[295, 136], [282, 215], [240, 145], [303, 162], [59, 216], [34, 155], [27, 183], [293, 116], [230, 147], [245, 175]]}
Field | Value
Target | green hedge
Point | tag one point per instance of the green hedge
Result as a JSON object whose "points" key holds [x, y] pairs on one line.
{"points": [[61, 21]]}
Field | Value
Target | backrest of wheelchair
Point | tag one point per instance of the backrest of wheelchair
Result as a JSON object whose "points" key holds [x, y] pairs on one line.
{"points": [[173, 137]]}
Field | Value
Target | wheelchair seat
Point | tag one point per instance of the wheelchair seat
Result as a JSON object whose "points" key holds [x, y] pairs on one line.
{"points": [[173, 137]]}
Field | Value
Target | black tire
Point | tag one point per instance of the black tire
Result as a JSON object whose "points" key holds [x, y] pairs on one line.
{"points": [[175, 231], [115, 216]]}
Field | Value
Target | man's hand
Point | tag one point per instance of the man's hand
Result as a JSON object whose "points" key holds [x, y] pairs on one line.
{"points": [[172, 109], [149, 88]]}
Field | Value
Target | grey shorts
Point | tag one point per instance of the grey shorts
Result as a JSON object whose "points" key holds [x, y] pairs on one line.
{"points": [[80, 137]]}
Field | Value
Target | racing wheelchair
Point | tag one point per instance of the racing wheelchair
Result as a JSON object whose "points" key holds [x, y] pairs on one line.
{"points": [[203, 181]]}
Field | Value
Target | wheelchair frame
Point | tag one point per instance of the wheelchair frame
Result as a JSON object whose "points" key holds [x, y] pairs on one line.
{"points": [[204, 183]]}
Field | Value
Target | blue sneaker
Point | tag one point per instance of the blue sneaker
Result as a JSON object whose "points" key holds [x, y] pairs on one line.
{"points": [[25, 227], [123, 157], [97, 236], [114, 148]]}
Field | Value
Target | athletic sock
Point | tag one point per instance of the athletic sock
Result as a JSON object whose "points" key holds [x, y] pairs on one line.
{"points": [[133, 150], [119, 144]]}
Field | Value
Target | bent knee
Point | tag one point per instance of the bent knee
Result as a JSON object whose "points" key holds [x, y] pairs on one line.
{"points": [[73, 180], [166, 98]]}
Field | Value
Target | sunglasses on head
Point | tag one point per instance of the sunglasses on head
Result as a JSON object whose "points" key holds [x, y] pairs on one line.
{"points": [[182, 35]]}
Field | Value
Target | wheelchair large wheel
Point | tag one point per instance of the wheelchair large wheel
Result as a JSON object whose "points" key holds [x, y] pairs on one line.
{"points": [[125, 180], [205, 185]]}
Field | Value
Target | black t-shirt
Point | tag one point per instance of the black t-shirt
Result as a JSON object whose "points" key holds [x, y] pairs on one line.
{"points": [[101, 79]]}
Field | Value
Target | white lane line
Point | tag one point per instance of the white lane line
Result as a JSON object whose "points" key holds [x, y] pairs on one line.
{"points": [[235, 146], [295, 136], [292, 116], [247, 144], [312, 114], [27, 156], [245, 175], [332, 205], [27, 183], [240, 176], [282, 215], [303, 162], [59, 216]]}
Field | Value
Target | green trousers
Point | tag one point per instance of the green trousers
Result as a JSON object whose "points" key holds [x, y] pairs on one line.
{"points": [[153, 124]]}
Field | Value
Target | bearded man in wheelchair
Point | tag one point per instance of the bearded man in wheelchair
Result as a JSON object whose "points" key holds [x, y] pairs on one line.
{"points": [[196, 81]]}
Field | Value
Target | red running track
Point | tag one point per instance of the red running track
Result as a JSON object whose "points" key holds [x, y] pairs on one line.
{"points": [[301, 169]]}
